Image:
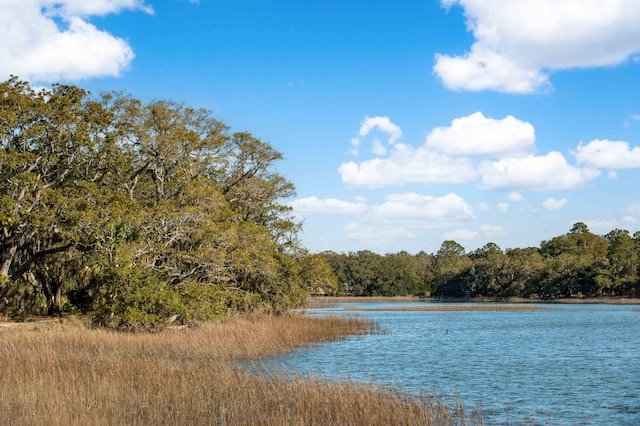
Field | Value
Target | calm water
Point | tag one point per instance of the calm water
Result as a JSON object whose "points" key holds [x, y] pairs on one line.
{"points": [[567, 364]]}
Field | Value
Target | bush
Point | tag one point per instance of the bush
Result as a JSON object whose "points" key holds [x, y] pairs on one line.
{"points": [[202, 301], [137, 300]]}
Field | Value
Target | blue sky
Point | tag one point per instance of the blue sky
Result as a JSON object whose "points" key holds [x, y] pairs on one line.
{"points": [[402, 124]]}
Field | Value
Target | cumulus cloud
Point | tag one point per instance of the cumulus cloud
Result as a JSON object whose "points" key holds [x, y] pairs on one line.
{"points": [[378, 149], [416, 206], [550, 172], [477, 135], [518, 42], [476, 148], [407, 164], [47, 40], [608, 154], [311, 205], [553, 204], [514, 196], [383, 124]]}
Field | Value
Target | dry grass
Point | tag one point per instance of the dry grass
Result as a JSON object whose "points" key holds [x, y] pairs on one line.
{"points": [[66, 374]]}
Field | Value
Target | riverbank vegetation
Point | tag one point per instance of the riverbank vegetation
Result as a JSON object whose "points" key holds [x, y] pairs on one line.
{"points": [[141, 214], [69, 374], [578, 264]]}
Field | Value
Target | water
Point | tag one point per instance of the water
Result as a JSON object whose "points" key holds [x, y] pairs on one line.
{"points": [[565, 364]]}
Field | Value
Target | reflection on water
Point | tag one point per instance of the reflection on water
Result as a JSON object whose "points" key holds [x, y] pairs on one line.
{"points": [[568, 364]]}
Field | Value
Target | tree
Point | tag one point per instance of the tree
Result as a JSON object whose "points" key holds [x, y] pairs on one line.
{"points": [[47, 142], [452, 266], [623, 263], [103, 197], [579, 262]]}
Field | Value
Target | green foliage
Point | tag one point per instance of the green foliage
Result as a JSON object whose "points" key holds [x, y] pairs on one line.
{"points": [[140, 213], [132, 299], [365, 273], [205, 301], [576, 264]]}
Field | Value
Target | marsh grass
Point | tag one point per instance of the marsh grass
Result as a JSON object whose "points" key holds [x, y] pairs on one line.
{"points": [[68, 374]]}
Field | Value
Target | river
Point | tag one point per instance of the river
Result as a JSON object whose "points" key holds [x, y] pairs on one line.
{"points": [[561, 364]]}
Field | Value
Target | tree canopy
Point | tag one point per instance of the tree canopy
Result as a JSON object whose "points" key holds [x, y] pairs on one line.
{"points": [[576, 264], [138, 213]]}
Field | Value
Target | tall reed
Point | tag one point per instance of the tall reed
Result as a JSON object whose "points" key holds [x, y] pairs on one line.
{"points": [[67, 374]]}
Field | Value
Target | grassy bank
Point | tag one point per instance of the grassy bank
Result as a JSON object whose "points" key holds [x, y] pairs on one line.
{"points": [[67, 374]]}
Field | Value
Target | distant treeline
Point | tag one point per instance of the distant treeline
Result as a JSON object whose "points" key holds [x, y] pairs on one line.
{"points": [[576, 264]]}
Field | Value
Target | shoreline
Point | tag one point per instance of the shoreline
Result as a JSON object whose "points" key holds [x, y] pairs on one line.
{"points": [[190, 376], [517, 300]]}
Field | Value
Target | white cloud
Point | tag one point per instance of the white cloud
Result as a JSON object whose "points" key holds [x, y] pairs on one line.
{"points": [[631, 118], [535, 173], [553, 204], [47, 40], [503, 207], [407, 164], [608, 154], [478, 135], [514, 196], [518, 42], [633, 209], [483, 69], [602, 226], [377, 234], [65, 8], [460, 235], [355, 143], [310, 205], [383, 124], [378, 149], [415, 206], [493, 230], [448, 157]]}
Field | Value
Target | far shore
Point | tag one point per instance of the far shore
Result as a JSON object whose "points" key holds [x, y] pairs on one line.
{"points": [[568, 300]]}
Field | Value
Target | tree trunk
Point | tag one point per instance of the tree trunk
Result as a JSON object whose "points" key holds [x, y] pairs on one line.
{"points": [[6, 264]]}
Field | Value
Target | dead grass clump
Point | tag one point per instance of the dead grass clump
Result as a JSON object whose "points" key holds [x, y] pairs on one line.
{"points": [[68, 374]]}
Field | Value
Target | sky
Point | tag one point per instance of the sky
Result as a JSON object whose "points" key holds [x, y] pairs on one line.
{"points": [[402, 123]]}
